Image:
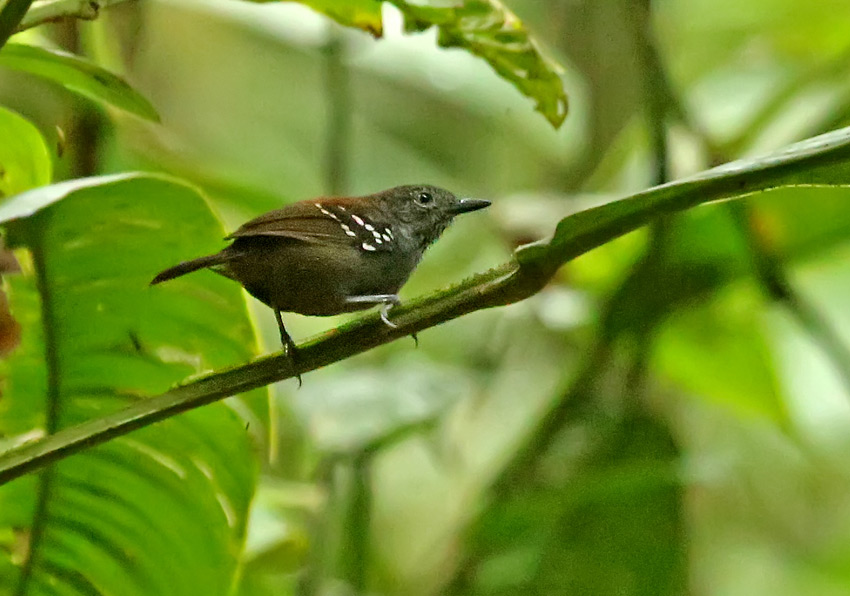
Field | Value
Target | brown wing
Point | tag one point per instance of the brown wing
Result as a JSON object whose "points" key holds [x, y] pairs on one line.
{"points": [[321, 220], [303, 221]]}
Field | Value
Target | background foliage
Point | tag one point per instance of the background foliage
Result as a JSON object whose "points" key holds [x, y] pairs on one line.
{"points": [[668, 416]]}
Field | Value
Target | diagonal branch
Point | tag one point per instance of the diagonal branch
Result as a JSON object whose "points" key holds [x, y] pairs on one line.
{"points": [[498, 286], [821, 161]]}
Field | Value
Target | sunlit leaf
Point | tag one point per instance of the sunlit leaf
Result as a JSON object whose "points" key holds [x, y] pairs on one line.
{"points": [[28, 204], [78, 75], [24, 156], [362, 14]]}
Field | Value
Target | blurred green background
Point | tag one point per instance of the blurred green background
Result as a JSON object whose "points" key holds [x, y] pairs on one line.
{"points": [[669, 416]]}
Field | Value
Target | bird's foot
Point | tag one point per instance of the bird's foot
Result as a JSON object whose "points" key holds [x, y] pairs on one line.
{"points": [[385, 310], [387, 301], [292, 357], [289, 348]]}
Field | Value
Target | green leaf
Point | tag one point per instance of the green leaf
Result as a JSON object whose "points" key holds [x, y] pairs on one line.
{"points": [[24, 157], [161, 511], [78, 75], [485, 28], [28, 204], [362, 14]]}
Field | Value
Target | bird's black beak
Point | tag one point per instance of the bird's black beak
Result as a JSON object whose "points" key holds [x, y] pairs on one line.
{"points": [[467, 205]]}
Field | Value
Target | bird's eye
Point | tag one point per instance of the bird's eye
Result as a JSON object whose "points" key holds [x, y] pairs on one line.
{"points": [[423, 198]]}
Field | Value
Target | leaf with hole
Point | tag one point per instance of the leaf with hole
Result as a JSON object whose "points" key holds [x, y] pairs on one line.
{"points": [[24, 157]]}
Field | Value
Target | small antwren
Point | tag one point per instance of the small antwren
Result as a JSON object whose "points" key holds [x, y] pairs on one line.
{"points": [[329, 256]]}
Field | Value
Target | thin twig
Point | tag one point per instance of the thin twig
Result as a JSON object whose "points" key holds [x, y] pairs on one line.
{"points": [[45, 486], [358, 522]]}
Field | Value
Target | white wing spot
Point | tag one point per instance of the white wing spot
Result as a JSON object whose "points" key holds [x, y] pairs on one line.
{"points": [[358, 220], [326, 212], [369, 227], [386, 237], [368, 246]]}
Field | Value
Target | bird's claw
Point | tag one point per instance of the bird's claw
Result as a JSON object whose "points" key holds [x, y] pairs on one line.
{"points": [[385, 309]]}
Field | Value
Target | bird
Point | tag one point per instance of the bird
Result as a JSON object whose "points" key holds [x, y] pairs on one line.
{"points": [[332, 255]]}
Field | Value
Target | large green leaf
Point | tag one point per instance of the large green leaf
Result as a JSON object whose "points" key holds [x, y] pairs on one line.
{"points": [[78, 75], [24, 156], [162, 511], [485, 28]]}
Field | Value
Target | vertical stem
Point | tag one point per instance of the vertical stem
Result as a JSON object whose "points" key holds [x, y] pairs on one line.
{"points": [[84, 124], [657, 110], [84, 137], [357, 528], [49, 321], [654, 91], [338, 98], [310, 582]]}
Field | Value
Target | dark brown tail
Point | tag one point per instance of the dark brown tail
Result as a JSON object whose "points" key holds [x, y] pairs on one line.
{"points": [[189, 266]]}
